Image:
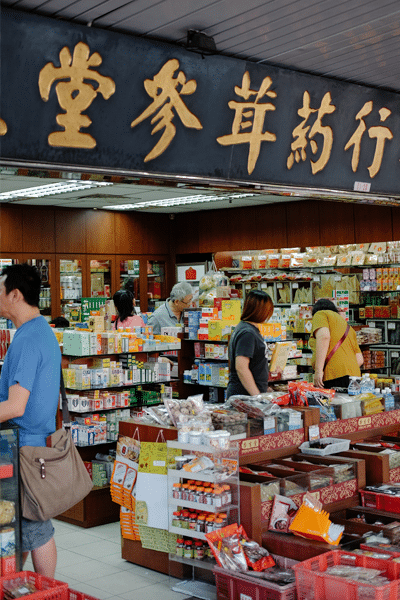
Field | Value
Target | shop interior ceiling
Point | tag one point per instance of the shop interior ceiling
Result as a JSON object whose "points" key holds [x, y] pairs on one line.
{"points": [[352, 40]]}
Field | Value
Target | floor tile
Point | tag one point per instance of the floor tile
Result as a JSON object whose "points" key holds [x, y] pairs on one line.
{"points": [[122, 583], [153, 592], [74, 539], [97, 550], [66, 558], [87, 570]]}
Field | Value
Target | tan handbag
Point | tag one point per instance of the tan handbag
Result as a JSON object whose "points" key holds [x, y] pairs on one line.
{"points": [[53, 478]]}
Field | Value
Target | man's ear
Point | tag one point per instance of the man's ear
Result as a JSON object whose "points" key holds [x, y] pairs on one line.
{"points": [[16, 295]]}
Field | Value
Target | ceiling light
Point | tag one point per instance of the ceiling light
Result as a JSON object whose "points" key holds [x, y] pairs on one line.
{"points": [[51, 189], [199, 199]]}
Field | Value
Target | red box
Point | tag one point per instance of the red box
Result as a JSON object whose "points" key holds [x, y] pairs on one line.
{"points": [[49, 589], [6, 470], [239, 586], [380, 501], [8, 565], [88, 466], [313, 582]]}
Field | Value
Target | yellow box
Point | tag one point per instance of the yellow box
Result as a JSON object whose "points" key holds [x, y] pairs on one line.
{"points": [[231, 310], [214, 330]]}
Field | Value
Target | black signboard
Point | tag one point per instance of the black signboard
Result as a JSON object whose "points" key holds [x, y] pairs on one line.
{"points": [[83, 96]]}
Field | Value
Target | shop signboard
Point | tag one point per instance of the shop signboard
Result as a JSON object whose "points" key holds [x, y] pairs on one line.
{"points": [[83, 96]]}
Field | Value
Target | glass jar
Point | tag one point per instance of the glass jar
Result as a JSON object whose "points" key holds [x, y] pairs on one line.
{"points": [[218, 523], [227, 494], [200, 494], [193, 521], [188, 549], [218, 498], [185, 520], [176, 491], [192, 496], [176, 519], [209, 525], [180, 546], [201, 523], [224, 518], [198, 550], [185, 491], [208, 496]]}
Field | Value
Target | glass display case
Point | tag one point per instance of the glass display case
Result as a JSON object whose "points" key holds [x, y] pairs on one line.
{"points": [[10, 518], [156, 284], [129, 270], [44, 268], [100, 278], [70, 287]]}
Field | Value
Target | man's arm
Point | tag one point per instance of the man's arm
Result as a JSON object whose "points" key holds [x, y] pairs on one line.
{"points": [[245, 375], [16, 404]]}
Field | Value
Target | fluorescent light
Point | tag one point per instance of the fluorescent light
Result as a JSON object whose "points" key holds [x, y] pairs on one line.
{"points": [[165, 203], [52, 189]]}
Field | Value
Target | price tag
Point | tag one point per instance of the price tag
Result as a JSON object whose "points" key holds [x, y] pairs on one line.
{"points": [[313, 433], [264, 285], [338, 278], [372, 324], [295, 285], [316, 278], [248, 286], [279, 285], [395, 355], [391, 325]]}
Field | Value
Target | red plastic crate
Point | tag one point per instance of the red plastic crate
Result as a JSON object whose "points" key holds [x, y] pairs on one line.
{"points": [[314, 584], [73, 595], [380, 501], [49, 589], [239, 586]]}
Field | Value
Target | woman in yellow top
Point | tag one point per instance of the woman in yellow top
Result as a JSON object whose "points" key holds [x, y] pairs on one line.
{"points": [[328, 327]]}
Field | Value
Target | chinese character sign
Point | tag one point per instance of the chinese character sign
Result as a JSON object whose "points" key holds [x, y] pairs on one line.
{"points": [[3, 127], [380, 133], [248, 122], [75, 94], [300, 132], [166, 91]]}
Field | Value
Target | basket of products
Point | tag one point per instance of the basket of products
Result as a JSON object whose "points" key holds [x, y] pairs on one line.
{"points": [[33, 586], [347, 576]]}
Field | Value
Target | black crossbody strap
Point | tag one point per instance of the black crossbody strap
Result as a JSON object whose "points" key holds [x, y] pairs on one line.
{"points": [[64, 404]]}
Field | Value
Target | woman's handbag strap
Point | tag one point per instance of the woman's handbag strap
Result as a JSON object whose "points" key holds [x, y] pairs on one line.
{"points": [[337, 345], [64, 404]]}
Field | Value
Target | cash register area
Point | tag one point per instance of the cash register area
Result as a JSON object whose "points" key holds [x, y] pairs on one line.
{"points": [[89, 560]]}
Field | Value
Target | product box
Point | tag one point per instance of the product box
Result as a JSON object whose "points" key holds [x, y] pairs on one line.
{"points": [[231, 310], [214, 330], [76, 343]]}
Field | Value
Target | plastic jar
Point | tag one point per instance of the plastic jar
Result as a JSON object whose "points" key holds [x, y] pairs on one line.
{"points": [[218, 523], [176, 491], [218, 498], [227, 494], [183, 436], [224, 518], [180, 547], [196, 437], [188, 549], [179, 462], [224, 439]]}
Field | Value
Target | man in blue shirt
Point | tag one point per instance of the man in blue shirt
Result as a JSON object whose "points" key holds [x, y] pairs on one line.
{"points": [[29, 389]]}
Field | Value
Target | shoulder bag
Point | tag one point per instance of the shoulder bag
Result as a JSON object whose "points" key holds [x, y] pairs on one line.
{"points": [[53, 478], [337, 345]]}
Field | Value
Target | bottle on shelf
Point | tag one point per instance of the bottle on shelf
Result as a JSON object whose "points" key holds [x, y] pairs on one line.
{"points": [[354, 386]]}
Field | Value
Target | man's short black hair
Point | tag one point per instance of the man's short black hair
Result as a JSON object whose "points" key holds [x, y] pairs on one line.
{"points": [[24, 278], [324, 304]]}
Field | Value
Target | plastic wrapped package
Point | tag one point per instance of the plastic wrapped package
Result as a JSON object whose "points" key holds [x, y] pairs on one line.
{"points": [[179, 410]]}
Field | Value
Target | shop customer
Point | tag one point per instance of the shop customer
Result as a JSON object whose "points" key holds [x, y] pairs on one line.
{"points": [[170, 314], [247, 350], [124, 302], [29, 389], [332, 338]]}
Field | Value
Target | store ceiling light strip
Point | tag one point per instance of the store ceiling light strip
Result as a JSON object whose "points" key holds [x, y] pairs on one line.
{"points": [[51, 189], [178, 201]]}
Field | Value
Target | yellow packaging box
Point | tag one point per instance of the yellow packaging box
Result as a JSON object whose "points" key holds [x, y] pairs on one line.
{"points": [[231, 310]]}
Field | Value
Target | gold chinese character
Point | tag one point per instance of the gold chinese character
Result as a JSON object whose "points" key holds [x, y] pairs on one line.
{"points": [[75, 95], [300, 132], [166, 91], [380, 133], [254, 112], [3, 127]]}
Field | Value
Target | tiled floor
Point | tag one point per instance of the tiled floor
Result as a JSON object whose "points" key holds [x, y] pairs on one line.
{"points": [[90, 561]]}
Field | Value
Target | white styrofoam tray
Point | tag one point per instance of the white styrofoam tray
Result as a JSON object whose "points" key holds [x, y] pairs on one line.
{"points": [[335, 445]]}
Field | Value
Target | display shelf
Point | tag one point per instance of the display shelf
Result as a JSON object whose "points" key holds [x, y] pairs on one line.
{"points": [[10, 492], [198, 535], [206, 341], [214, 385], [194, 562], [113, 387], [198, 506]]}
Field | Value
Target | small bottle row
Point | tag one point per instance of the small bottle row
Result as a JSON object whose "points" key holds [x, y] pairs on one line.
{"points": [[202, 522], [193, 549], [195, 491]]}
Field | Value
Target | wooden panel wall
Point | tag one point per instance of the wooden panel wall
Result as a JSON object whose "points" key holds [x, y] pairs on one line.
{"points": [[303, 223]]}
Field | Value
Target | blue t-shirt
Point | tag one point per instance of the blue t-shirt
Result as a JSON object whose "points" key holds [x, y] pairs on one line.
{"points": [[34, 361]]}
